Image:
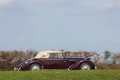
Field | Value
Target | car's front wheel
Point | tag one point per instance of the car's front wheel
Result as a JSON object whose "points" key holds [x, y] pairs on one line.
{"points": [[85, 66], [36, 67]]}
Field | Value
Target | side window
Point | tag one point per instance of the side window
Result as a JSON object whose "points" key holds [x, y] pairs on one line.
{"points": [[60, 56], [56, 55]]}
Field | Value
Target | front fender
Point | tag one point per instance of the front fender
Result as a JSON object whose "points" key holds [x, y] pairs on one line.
{"points": [[26, 65], [76, 65]]}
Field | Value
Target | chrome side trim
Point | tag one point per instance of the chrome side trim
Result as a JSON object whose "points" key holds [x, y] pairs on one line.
{"points": [[69, 67]]}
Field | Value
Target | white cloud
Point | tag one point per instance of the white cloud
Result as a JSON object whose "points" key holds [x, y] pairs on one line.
{"points": [[5, 2], [110, 5]]}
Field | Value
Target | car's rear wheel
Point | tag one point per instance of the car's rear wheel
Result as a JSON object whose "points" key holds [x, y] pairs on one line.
{"points": [[85, 66], [35, 67]]}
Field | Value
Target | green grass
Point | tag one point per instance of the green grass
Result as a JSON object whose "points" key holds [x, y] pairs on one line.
{"points": [[61, 75]]}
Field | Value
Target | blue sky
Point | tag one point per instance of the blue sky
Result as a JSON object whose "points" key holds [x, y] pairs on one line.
{"points": [[75, 25]]}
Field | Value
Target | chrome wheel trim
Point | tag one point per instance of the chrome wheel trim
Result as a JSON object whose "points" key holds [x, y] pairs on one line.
{"points": [[35, 67], [85, 66]]}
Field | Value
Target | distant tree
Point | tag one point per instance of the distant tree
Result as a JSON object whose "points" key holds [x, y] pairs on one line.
{"points": [[116, 58], [75, 54], [67, 53], [30, 54], [107, 54], [88, 54], [10, 59]]}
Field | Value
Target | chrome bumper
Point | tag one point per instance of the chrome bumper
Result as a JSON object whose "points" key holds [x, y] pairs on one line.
{"points": [[16, 69], [95, 67]]}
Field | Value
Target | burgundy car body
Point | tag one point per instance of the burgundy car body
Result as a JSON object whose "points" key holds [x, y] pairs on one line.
{"points": [[55, 63]]}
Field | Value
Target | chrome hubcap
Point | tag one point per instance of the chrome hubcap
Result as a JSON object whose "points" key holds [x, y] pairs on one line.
{"points": [[85, 67], [35, 67]]}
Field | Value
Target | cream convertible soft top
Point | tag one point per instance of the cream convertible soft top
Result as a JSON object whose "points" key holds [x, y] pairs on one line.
{"points": [[46, 54]]}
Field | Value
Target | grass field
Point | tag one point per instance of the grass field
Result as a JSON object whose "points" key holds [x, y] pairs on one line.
{"points": [[61, 75]]}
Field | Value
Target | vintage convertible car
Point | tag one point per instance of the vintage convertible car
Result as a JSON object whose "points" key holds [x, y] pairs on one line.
{"points": [[55, 60]]}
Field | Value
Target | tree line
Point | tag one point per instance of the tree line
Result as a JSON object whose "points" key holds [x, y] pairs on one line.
{"points": [[106, 60]]}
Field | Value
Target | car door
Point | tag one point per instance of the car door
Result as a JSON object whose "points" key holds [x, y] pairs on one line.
{"points": [[57, 61]]}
